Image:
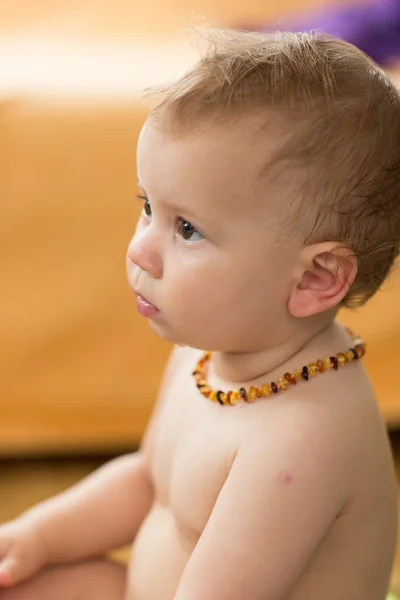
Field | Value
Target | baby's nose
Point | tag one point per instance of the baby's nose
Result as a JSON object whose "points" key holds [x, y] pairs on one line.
{"points": [[144, 254]]}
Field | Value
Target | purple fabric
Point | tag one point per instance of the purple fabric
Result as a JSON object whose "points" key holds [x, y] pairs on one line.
{"points": [[373, 27]]}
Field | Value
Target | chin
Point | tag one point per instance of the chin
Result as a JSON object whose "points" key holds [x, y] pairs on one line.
{"points": [[166, 333]]}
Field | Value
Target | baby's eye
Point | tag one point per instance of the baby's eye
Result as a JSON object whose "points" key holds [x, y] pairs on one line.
{"points": [[188, 232], [146, 205]]}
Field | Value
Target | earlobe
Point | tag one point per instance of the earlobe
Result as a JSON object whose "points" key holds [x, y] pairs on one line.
{"points": [[326, 274]]}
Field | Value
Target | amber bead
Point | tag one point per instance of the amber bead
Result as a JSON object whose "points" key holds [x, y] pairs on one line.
{"points": [[360, 350], [221, 397], [304, 373], [228, 397], [354, 353], [251, 394], [334, 362], [235, 397], [205, 388], [274, 387], [327, 364], [290, 378], [312, 369], [282, 383], [297, 373], [266, 390], [206, 393], [213, 396], [243, 394], [201, 383], [341, 358], [349, 355], [258, 393], [320, 366]]}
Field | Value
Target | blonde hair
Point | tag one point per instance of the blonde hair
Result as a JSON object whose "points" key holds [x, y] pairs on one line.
{"points": [[342, 116]]}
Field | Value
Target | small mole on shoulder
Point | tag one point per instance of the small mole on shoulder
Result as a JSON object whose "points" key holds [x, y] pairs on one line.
{"points": [[285, 477]]}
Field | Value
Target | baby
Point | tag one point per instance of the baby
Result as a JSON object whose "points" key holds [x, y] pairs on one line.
{"points": [[270, 182]]}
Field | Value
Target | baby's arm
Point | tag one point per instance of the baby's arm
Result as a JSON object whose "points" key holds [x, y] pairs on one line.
{"points": [[286, 487], [105, 510], [102, 512]]}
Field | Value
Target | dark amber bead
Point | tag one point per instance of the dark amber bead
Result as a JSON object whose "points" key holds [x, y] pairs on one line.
{"points": [[320, 366], [228, 397], [354, 353], [258, 393], [304, 373], [196, 373], [360, 350], [274, 387], [290, 378], [243, 394], [334, 362], [219, 395]]}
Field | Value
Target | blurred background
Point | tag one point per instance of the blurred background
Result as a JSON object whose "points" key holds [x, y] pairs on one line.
{"points": [[79, 369]]}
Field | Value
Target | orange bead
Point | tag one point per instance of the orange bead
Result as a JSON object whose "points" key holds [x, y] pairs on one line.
{"points": [[327, 364], [349, 355], [251, 394], [206, 389], [360, 350], [290, 378], [235, 397], [297, 374], [312, 369], [320, 366], [258, 393], [266, 390], [282, 383], [221, 397], [213, 396]]}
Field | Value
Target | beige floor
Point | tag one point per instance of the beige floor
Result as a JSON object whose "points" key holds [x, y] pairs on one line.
{"points": [[24, 483]]}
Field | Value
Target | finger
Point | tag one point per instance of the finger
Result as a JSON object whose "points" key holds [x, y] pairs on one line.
{"points": [[9, 572], [5, 579]]}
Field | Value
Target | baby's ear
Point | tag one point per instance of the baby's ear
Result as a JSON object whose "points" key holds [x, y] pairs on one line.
{"points": [[324, 275]]}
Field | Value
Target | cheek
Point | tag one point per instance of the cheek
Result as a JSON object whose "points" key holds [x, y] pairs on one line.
{"points": [[204, 288]]}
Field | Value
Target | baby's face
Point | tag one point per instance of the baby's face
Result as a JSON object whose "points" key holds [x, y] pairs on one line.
{"points": [[208, 250]]}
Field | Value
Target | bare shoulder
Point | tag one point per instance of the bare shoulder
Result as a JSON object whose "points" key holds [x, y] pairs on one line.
{"points": [[329, 426]]}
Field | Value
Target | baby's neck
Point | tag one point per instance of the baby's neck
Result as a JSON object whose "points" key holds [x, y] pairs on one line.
{"points": [[245, 367]]}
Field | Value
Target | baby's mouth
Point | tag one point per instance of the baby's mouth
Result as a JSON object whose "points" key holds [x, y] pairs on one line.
{"points": [[146, 308]]}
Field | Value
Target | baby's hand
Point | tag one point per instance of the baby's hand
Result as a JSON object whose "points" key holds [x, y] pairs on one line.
{"points": [[22, 552]]}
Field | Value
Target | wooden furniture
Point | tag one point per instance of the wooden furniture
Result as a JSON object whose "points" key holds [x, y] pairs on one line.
{"points": [[79, 369]]}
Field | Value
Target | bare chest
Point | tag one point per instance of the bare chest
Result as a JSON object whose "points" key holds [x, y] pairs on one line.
{"points": [[191, 453]]}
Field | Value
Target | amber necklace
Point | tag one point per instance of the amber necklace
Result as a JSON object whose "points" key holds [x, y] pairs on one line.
{"points": [[356, 351]]}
